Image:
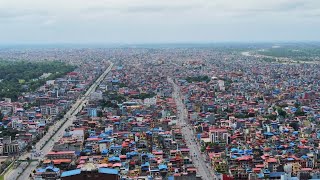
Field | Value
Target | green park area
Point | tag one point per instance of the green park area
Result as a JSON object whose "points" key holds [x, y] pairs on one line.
{"points": [[17, 77]]}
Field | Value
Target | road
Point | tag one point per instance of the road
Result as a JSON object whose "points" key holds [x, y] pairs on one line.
{"points": [[189, 136], [15, 172], [68, 118]]}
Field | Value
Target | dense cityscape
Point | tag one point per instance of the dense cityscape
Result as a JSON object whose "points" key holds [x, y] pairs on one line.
{"points": [[211, 112]]}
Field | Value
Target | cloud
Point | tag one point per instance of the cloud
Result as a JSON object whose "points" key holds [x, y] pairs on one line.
{"points": [[163, 8], [24, 13], [135, 20]]}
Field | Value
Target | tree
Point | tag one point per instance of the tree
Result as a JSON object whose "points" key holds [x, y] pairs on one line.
{"points": [[1, 116], [299, 112], [281, 112], [203, 148], [14, 73]]}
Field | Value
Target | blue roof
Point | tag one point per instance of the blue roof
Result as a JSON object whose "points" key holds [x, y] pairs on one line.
{"points": [[108, 171], [150, 155], [87, 150], [276, 174], [105, 151], [294, 178], [162, 166], [268, 134], [41, 170], [132, 153], [280, 147], [266, 171], [234, 150], [170, 178], [290, 159], [115, 146], [70, 173], [145, 164], [105, 140], [294, 109], [103, 135], [234, 156], [114, 158]]}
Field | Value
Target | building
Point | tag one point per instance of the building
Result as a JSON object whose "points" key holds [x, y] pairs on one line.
{"points": [[219, 135], [91, 171]]}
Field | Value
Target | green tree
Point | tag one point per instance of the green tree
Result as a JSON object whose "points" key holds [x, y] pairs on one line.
{"points": [[299, 112], [281, 112]]}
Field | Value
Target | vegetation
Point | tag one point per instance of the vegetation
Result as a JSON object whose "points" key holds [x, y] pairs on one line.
{"points": [[8, 132], [21, 76], [121, 85], [241, 115], [303, 53], [4, 165], [281, 112], [271, 116], [108, 104], [270, 60], [144, 96], [299, 112], [198, 79]]}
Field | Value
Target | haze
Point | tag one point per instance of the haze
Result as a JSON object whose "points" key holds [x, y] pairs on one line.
{"points": [[162, 21]]}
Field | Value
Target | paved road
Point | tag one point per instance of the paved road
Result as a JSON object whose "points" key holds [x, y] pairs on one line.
{"points": [[69, 117], [14, 173], [26, 174], [189, 136]]}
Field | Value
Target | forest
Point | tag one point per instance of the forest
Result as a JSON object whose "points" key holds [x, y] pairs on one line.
{"points": [[17, 77]]}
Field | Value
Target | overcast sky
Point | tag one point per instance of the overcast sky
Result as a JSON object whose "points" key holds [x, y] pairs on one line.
{"points": [[158, 21]]}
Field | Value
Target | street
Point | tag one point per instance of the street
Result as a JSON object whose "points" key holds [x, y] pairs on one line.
{"points": [[68, 118], [189, 136]]}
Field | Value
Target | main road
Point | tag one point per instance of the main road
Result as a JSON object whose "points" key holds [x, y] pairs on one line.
{"points": [[55, 132], [188, 134]]}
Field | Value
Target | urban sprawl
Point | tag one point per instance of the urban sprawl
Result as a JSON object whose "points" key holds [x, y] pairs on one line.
{"points": [[164, 113]]}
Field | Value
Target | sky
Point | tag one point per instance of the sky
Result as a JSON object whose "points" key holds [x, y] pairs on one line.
{"points": [[158, 21]]}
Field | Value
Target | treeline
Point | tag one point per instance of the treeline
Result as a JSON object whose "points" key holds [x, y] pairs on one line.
{"points": [[198, 79], [143, 96], [294, 53], [22, 76]]}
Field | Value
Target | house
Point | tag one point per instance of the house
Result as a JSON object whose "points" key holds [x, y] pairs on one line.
{"points": [[91, 171]]}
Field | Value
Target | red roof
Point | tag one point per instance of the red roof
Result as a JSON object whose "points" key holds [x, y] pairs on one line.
{"points": [[271, 160], [123, 156], [61, 152], [244, 158], [212, 129], [59, 161]]}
